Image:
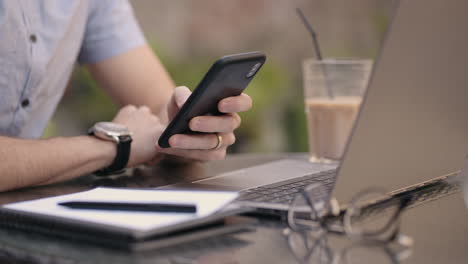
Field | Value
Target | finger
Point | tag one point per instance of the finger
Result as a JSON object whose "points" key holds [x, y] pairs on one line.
{"points": [[205, 142], [228, 139], [211, 124], [129, 108], [144, 108], [155, 118], [235, 104], [201, 142], [202, 155], [181, 94]]}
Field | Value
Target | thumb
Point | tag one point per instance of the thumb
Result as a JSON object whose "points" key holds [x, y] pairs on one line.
{"points": [[181, 94]]}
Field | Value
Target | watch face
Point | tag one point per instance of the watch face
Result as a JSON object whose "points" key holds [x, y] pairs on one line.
{"points": [[110, 130], [112, 127]]}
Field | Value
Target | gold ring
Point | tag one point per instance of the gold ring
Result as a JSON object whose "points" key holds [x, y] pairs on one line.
{"points": [[220, 142]]}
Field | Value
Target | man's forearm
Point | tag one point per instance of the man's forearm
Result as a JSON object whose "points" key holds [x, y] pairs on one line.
{"points": [[34, 162], [136, 77]]}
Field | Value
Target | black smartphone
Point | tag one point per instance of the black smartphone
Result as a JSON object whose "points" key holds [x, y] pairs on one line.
{"points": [[228, 76]]}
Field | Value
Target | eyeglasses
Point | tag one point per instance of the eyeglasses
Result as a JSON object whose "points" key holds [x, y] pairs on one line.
{"points": [[363, 219], [308, 248]]}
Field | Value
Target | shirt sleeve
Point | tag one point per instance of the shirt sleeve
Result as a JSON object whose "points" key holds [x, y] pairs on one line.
{"points": [[111, 30]]}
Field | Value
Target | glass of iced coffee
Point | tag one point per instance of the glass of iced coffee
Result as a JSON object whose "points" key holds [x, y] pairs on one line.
{"points": [[333, 90]]}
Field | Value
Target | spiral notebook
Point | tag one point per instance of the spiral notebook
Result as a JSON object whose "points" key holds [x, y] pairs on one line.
{"points": [[117, 228]]}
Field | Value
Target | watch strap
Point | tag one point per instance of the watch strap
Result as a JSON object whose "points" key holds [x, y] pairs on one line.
{"points": [[121, 159]]}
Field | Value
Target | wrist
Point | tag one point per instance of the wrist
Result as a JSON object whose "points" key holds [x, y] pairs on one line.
{"points": [[105, 151]]}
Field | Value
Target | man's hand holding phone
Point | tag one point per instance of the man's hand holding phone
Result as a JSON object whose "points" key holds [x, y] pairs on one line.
{"points": [[211, 109], [218, 130]]}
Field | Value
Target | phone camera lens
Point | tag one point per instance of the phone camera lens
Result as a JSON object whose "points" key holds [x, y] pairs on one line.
{"points": [[253, 70]]}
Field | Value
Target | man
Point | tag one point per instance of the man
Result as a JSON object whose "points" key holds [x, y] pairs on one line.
{"points": [[41, 41]]}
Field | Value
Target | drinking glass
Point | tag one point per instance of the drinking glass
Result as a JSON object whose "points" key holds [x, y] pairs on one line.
{"points": [[333, 90]]}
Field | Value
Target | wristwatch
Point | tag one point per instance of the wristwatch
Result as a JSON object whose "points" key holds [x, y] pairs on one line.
{"points": [[122, 137]]}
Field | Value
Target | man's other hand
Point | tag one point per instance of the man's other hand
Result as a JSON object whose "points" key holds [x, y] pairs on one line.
{"points": [[145, 128]]}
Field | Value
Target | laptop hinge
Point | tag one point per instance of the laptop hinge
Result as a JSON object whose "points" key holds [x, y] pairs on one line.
{"points": [[463, 179], [464, 171]]}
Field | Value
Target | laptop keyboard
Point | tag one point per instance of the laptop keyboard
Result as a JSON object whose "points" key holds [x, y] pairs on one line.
{"points": [[285, 191]]}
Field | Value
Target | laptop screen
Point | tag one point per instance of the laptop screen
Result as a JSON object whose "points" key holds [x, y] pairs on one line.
{"points": [[413, 123]]}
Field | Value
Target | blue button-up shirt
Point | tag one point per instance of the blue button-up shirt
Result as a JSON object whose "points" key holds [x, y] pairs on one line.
{"points": [[41, 40]]}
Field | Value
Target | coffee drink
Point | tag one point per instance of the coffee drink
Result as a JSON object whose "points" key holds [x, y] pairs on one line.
{"points": [[329, 125]]}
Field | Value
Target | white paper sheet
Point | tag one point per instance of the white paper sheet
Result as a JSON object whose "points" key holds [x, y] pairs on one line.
{"points": [[207, 202]]}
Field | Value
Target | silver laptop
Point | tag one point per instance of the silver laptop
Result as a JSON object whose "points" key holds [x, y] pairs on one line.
{"points": [[412, 128]]}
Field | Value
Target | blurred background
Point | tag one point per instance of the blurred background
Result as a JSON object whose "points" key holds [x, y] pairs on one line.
{"points": [[189, 35]]}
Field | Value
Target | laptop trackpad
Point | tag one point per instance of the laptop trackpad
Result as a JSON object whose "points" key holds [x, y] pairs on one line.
{"points": [[260, 175]]}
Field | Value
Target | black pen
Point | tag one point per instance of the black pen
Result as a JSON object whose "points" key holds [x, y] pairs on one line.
{"points": [[129, 206]]}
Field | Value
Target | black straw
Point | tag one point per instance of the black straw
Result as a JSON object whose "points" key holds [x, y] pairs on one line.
{"points": [[312, 33], [318, 53]]}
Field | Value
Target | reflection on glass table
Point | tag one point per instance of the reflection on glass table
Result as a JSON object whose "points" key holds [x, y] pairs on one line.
{"points": [[327, 248], [366, 226], [24, 247]]}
